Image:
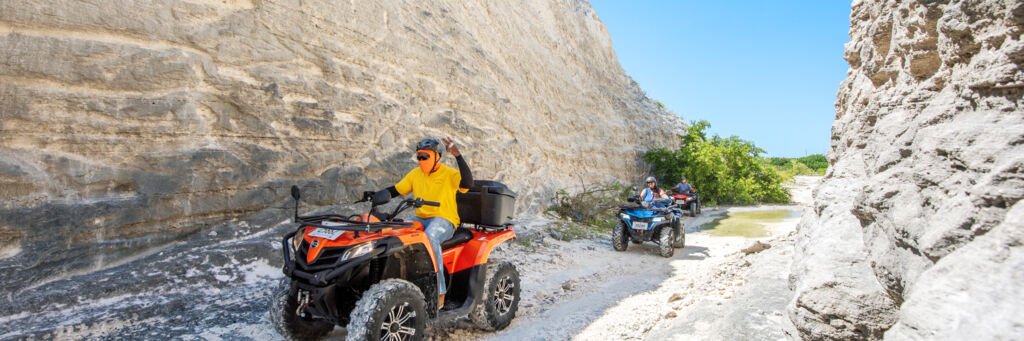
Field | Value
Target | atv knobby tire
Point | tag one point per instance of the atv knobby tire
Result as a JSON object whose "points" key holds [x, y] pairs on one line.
{"points": [[289, 325], [620, 236], [500, 300], [679, 241], [693, 209], [393, 306], [665, 248]]}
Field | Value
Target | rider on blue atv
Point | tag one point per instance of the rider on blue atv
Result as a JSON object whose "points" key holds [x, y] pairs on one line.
{"points": [[655, 220], [651, 192]]}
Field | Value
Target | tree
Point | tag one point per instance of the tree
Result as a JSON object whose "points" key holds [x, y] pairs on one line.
{"points": [[724, 170]]}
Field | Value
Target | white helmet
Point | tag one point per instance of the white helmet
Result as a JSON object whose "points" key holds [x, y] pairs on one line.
{"points": [[651, 179]]}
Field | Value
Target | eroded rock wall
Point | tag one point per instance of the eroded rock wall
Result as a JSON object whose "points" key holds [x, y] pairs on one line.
{"points": [[127, 125], [916, 230]]}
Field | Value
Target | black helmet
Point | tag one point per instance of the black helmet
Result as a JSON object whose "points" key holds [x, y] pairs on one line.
{"points": [[430, 144]]}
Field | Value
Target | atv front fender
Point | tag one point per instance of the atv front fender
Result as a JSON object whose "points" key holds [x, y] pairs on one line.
{"points": [[477, 251]]}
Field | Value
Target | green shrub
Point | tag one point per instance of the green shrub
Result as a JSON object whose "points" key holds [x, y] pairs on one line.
{"points": [[814, 164], [817, 162], [778, 161], [724, 170], [793, 167]]}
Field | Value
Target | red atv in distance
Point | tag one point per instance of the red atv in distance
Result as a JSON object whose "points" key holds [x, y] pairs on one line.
{"points": [[688, 202], [376, 275]]}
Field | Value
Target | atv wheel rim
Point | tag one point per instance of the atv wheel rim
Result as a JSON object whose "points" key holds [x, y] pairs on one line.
{"points": [[503, 295], [398, 324]]}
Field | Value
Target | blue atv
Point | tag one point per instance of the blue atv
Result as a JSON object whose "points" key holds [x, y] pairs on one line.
{"points": [[658, 223]]}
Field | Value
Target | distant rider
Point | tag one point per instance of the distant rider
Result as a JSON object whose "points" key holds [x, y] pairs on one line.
{"points": [[651, 192], [685, 188], [433, 181]]}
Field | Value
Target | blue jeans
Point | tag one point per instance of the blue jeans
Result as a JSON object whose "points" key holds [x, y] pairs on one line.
{"points": [[438, 230]]}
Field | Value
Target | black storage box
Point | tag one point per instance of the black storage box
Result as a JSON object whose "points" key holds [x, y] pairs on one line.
{"points": [[487, 203]]}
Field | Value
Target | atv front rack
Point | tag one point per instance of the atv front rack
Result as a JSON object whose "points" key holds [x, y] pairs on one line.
{"points": [[346, 224], [656, 209]]}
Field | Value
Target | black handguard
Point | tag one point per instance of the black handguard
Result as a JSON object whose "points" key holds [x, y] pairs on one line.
{"points": [[382, 197]]}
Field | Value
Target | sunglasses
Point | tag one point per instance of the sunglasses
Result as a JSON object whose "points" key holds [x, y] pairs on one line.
{"points": [[423, 157]]}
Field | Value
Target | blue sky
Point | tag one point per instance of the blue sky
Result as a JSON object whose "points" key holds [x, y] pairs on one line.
{"points": [[766, 71]]}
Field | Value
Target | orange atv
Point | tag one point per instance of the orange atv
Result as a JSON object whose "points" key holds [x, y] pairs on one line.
{"points": [[375, 274], [688, 202]]}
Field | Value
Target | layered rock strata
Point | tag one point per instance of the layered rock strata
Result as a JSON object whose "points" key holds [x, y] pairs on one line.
{"points": [[129, 125], [916, 230]]}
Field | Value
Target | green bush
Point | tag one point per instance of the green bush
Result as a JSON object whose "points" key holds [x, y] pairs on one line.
{"points": [[724, 170], [793, 167], [814, 164], [778, 161], [817, 162]]}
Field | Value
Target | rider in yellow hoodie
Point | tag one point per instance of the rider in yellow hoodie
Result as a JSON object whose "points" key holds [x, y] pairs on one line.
{"points": [[434, 181]]}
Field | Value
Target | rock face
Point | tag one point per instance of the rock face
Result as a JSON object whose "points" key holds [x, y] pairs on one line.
{"points": [[129, 125], [916, 230]]}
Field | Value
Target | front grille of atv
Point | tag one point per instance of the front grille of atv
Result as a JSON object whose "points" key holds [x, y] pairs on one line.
{"points": [[329, 256]]}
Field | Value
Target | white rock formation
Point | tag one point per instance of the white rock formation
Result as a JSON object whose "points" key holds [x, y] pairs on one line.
{"points": [[133, 124], [912, 236]]}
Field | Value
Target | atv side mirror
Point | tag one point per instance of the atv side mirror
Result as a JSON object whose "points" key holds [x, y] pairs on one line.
{"points": [[381, 197], [631, 199], [295, 195]]}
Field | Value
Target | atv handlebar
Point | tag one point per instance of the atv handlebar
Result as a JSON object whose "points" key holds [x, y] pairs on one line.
{"points": [[336, 222]]}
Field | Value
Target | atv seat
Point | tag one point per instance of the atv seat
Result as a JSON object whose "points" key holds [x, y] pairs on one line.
{"points": [[461, 235]]}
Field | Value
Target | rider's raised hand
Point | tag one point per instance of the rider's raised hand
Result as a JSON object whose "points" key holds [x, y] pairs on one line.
{"points": [[449, 145]]}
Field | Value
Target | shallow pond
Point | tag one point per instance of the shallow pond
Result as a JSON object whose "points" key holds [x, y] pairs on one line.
{"points": [[748, 224]]}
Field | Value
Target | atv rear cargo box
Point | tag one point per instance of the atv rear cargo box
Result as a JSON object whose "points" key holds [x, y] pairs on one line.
{"points": [[487, 203]]}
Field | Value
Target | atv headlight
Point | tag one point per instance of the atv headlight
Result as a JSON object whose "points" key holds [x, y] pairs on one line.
{"points": [[358, 250], [624, 216], [657, 219]]}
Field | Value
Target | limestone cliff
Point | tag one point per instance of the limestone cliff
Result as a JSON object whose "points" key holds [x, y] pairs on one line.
{"points": [[916, 233], [128, 125]]}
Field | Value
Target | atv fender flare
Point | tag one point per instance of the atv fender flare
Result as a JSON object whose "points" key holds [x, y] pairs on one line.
{"points": [[477, 251], [474, 258]]}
